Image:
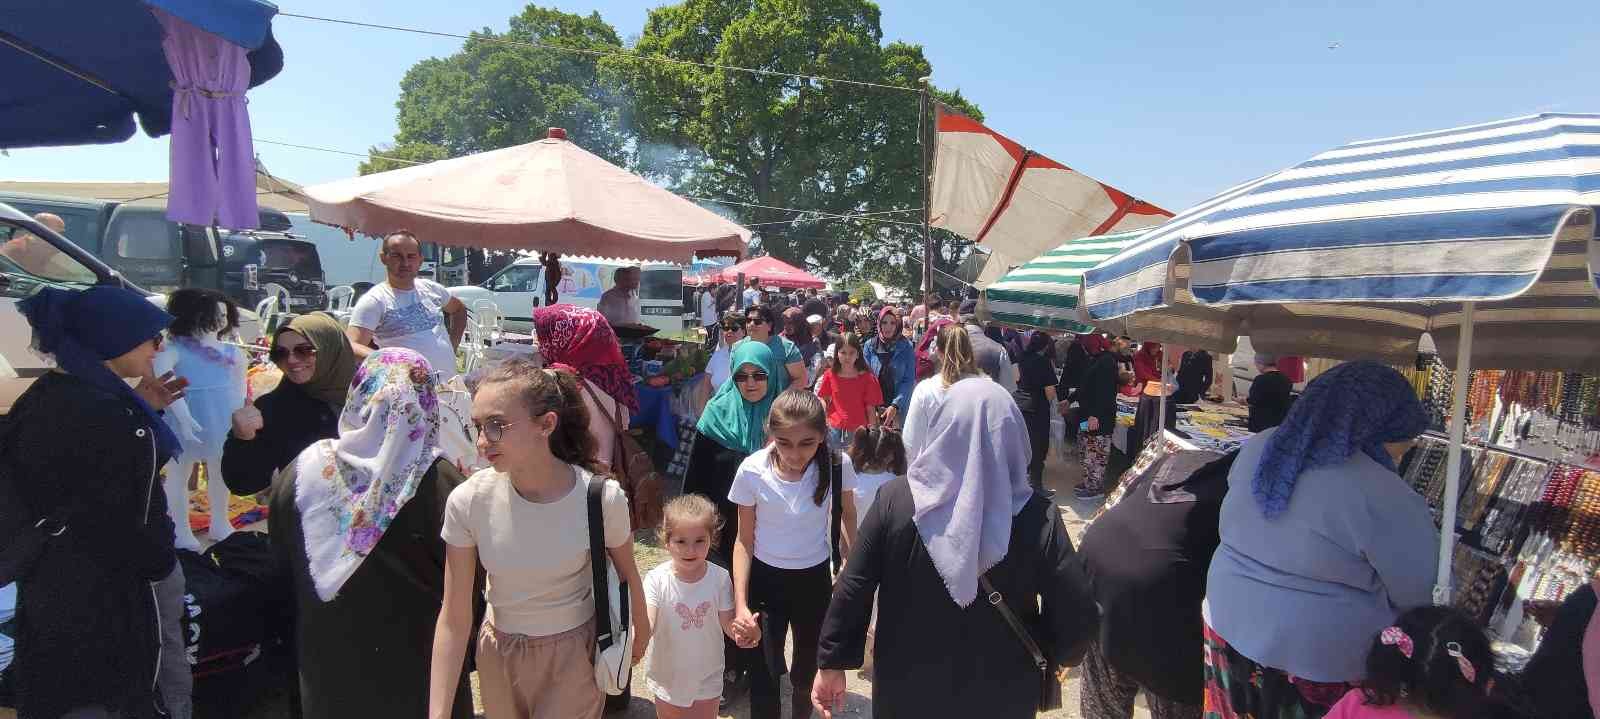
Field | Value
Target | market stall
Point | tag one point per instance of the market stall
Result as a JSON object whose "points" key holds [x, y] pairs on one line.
{"points": [[1359, 251], [771, 271]]}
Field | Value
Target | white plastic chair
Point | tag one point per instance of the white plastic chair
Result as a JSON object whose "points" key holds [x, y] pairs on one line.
{"points": [[483, 332], [272, 307], [341, 298]]}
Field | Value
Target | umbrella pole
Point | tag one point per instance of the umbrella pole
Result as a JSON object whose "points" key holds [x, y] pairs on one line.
{"points": [[1452, 467], [1161, 419]]}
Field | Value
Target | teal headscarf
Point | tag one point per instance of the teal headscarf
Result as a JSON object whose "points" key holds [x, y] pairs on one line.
{"points": [[728, 418]]}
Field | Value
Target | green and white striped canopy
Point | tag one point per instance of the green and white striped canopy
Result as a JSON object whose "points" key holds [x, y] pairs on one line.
{"points": [[1045, 292]]}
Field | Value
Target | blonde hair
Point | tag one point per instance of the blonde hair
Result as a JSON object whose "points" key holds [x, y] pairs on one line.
{"points": [[957, 361], [691, 510]]}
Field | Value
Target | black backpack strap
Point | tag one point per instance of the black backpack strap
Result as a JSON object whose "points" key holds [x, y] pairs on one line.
{"points": [[597, 564], [835, 488]]}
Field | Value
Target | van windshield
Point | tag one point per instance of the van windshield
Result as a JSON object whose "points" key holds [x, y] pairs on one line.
{"points": [[294, 255], [661, 284]]}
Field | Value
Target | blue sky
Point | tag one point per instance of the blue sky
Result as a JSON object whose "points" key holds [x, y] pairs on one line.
{"points": [[1171, 101]]}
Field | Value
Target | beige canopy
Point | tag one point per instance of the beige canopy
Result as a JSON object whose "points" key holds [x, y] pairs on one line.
{"points": [[549, 196]]}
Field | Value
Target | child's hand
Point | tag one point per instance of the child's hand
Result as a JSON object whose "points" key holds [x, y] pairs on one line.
{"points": [[746, 624], [747, 638]]}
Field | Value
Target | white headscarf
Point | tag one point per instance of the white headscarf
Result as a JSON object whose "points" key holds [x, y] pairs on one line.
{"points": [[969, 480], [348, 490]]}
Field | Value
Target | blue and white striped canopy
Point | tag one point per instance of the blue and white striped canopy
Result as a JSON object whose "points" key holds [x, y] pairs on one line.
{"points": [[1358, 251]]}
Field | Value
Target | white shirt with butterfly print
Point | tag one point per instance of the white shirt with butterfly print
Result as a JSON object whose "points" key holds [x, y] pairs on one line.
{"points": [[686, 641]]}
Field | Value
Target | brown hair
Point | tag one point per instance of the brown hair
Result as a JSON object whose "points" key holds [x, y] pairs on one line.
{"points": [[799, 408], [878, 449], [691, 510], [957, 361], [853, 340], [548, 390], [383, 246]]}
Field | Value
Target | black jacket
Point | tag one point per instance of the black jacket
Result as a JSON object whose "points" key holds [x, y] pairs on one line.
{"points": [[1072, 368], [1194, 377], [1097, 396], [87, 623], [291, 421], [933, 658]]}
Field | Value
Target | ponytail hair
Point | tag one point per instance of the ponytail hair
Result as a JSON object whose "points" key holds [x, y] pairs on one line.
{"points": [[799, 408], [550, 390], [957, 360]]}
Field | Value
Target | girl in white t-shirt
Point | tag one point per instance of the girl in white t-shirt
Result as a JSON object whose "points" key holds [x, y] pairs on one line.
{"points": [[526, 521], [695, 597], [781, 574]]}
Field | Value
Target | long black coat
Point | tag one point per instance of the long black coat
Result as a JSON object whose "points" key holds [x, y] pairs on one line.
{"points": [[291, 420], [933, 658], [87, 623]]}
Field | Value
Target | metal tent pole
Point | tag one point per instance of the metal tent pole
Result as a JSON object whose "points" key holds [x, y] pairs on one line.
{"points": [[927, 132], [1161, 421], [1452, 467]]}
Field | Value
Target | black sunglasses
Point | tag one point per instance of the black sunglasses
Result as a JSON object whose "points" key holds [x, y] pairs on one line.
{"points": [[744, 377], [279, 354], [755, 321]]}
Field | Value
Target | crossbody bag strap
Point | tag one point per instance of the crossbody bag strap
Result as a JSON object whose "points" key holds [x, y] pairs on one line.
{"points": [[614, 419], [1012, 620], [836, 489], [597, 564]]}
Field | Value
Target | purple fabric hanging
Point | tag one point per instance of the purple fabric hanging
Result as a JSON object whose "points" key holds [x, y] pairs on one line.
{"points": [[213, 159]]}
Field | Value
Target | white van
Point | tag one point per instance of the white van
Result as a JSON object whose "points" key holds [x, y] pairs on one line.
{"points": [[519, 288]]}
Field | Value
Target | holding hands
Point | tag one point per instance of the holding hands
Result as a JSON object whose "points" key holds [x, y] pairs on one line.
{"points": [[745, 630]]}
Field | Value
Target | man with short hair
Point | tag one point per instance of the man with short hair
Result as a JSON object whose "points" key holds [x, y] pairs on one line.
{"points": [[38, 256], [752, 294], [408, 311], [992, 358], [620, 304], [709, 318]]}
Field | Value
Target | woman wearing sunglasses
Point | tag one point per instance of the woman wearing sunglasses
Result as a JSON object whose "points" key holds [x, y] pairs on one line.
{"points": [[731, 428], [317, 365]]}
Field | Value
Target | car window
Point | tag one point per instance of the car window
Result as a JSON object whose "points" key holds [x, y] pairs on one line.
{"points": [[83, 225], [144, 236], [517, 278], [665, 284], [24, 255]]}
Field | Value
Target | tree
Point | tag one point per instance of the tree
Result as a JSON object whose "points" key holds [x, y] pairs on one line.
{"points": [[775, 140], [505, 89]]}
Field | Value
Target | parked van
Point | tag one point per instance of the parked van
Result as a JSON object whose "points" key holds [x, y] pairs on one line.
{"points": [[140, 243], [518, 288]]}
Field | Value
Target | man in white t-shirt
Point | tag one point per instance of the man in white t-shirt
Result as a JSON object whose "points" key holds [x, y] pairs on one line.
{"points": [[752, 294], [620, 304], [408, 311], [709, 318]]}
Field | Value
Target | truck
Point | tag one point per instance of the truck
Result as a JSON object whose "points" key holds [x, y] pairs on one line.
{"points": [[138, 242], [519, 287]]}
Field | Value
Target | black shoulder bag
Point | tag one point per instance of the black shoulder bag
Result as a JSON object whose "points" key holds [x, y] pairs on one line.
{"points": [[831, 463], [1049, 685]]}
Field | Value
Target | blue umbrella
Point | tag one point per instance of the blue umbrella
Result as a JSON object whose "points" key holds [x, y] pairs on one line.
{"points": [[77, 72]]}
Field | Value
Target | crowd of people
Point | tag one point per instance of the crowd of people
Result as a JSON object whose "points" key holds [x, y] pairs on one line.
{"points": [[865, 491]]}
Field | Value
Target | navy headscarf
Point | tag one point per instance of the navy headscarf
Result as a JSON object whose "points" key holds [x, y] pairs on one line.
{"points": [[82, 329], [1354, 407]]}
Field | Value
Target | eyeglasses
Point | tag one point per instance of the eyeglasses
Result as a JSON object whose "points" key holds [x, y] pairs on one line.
{"points": [[755, 321], [744, 377], [279, 354], [494, 430], [733, 328]]}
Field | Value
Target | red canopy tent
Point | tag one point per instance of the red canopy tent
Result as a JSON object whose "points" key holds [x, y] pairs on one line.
{"points": [[771, 271]]}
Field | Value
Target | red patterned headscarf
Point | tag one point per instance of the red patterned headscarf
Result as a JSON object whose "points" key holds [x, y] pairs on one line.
{"points": [[582, 338]]}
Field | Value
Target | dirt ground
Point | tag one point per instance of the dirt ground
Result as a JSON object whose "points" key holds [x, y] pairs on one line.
{"points": [[1059, 475]]}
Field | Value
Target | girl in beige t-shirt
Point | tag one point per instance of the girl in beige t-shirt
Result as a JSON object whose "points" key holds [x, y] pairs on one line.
{"points": [[526, 520]]}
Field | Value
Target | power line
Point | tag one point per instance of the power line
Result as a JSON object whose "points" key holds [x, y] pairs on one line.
{"points": [[598, 53]]}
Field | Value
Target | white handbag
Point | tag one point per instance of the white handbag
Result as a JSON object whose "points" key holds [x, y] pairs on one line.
{"points": [[613, 650]]}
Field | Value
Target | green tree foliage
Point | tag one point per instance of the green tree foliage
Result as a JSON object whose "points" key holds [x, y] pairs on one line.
{"points": [[781, 141]]}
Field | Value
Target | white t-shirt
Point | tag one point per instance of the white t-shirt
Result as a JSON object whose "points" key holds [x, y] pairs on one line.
{"points": [[536, 555], [867, 486], [791, 530], [720, 366], [752, 297], [926, 399], [413, 319], [619, 306], [686, 642], [708, 308]]}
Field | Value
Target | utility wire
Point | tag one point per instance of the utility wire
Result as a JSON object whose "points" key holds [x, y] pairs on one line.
{"points": [[598, 53]]}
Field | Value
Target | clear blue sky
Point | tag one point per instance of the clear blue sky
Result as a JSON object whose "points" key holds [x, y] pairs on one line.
{"points": [[1171, 101]]}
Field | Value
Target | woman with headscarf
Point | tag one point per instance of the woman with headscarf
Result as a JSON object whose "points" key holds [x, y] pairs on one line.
{"points": [[355, 522], [97, 630], [964, 514], [581, 338], [1073, 365], [1036, 396], [892, 359], [1147, 363], [956, 362], [1097, 415], [317, 364], [731, 428], [1323, 545]]}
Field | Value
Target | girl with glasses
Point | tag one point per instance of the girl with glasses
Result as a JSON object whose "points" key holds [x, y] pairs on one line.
{"points": [[732, 426], [524, 520], [317, 364]]}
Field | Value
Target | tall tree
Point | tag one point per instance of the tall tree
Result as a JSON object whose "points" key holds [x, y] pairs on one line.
{"points": [[770, 139]]}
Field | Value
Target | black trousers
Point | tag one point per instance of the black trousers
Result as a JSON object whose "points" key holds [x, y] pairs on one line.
{"points": [[1039, 441], [787, 599]]}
